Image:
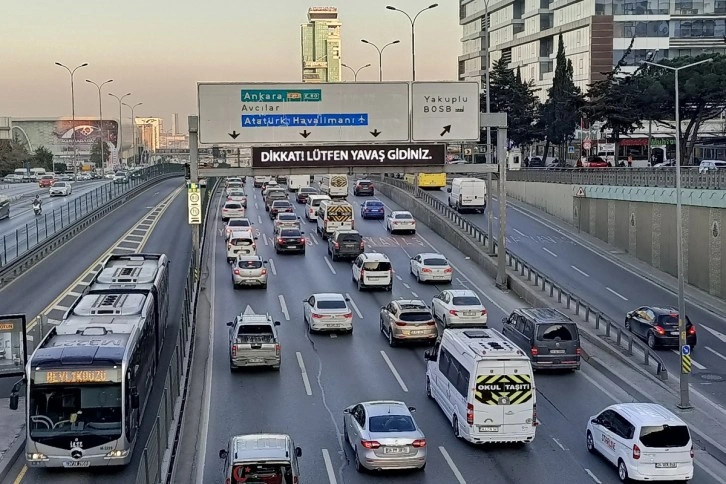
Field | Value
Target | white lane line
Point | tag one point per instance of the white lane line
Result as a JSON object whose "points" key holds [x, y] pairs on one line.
{"points": [[559, 444], [406, 286], [264, 238], [329, 467], [715, 352], [520, 232], [283, 306], [617, 294], [256, 205], [693, 362], [259, 219], [305, 379], [354, 305], [581, 271], [594, 477], [414, 294], [549, 252], [394, 371], [330, 266], [453, 467], [272, 267], [315, 239]]}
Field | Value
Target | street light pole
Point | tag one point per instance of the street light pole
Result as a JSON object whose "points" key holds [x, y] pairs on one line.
{"points": [[413, 33], [120, 140], [133, 130], [380, 55], [486, 82], [100, 117], [355, 71], [73, 110], [684, 402]]}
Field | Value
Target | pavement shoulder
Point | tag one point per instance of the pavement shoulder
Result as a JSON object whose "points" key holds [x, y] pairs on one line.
{"points": [[12, 435]]}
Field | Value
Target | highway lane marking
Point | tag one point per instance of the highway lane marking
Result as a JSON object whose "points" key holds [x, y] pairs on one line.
{"points": [[594, 477], [306, 380], [329, 467], [452, 466], [617, 294], [272, 267], [714, 352], [259, 219], [559, 444], [520, 232], [354, 305], [580, 271], [549, 252], [256, 207], [394, 371], [330, 266], [406, 285], [283, 306], [414, 294], [693, 362], [717, 334], [21, 474], [399, 277], [315, 239], [264, 239]]}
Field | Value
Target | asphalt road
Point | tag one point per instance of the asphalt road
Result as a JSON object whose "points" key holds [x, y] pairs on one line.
{"points": [[66, 264], [24, 226], [348, 369], [611, 288]]}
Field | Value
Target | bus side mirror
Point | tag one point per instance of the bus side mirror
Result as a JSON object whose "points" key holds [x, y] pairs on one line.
{"points": [[298, 451], [230, 323], [14, 401], [429, 355], [135, 399], [277, 323], [223, 454], [448, 190]]}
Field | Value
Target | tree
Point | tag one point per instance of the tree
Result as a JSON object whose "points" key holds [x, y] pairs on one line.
{"points": [[560, 114], [702, 92], [12, 155], [96, 153], [617, 101], [42, 158]]}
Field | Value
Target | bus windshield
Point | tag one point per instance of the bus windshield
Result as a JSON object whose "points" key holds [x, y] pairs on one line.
{"points": [[57, 410]]}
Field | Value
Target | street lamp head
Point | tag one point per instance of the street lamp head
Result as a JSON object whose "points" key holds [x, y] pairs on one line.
{"points": [[88, 80], [389, 7], [110, 80], [367, 65], [396, 42], [59, 64], [345, 65], [433, 5], [364, 41], [84, 64]]}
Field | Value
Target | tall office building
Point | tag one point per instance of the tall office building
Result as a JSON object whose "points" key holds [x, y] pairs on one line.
{"points": [[175, 124], [595, 33], [320, 40]]}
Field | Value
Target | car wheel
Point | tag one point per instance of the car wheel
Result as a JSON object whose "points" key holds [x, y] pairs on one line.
{"points": [[391, 340], [589, 442], [651, 340], [428, 389], [380, 325], [264, 286], [345, 433], [455, 424], [358, 466], [444, 323], [622, 471], [413, 232], [276, 367], [360, 285], [418, 276], [389, 288], [333, 256], [423, 467]]}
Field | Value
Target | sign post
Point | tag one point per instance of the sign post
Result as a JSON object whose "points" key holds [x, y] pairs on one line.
{"points": [[194, 202]]}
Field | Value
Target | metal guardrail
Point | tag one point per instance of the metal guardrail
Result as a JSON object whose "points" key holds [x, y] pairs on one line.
{"points": [[629, 177], [17, 243], [545, 283], [158, 453]]}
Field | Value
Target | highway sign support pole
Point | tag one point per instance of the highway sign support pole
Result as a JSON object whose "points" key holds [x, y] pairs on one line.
{"points": [[501, 242], [194, 178], [490, 215]]}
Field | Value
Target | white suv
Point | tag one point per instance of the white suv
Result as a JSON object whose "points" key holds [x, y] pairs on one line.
{"points": [[372, 269]]}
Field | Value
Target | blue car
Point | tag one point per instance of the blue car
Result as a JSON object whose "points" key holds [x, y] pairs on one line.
{"points": [[372, 209]]}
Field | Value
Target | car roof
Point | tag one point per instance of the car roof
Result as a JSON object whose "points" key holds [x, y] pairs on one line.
{"points": [[385, 407], [286, 214], [363, 180], [260, 447], [544, 315], [400, 211], [346, 231], [279, 202], [375, 256], [460, 292], [373, 200], [662, 310], [329, 296], [247, 257], [432, 255], [402, 302], [238, 219], [647, 414]]}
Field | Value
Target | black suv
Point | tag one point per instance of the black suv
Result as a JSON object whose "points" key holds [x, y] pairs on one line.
{"points": [[364, 187], [547, 336], [345, 244]]}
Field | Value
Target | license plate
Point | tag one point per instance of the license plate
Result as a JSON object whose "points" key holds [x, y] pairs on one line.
{"points": [[665, 465], [255, 360], [557, 352], [72, 463], [674, 333], [417, 331], [394, 450], [483, 428], [469, 313], [334, 325]]}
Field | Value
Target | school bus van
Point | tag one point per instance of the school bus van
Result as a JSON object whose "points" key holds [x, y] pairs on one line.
{"points": [[334, 215], [484, 384]]}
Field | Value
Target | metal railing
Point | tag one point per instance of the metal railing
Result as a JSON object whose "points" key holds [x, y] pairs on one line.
{"points": [[629, 177], [16, 243], [625, 341]]}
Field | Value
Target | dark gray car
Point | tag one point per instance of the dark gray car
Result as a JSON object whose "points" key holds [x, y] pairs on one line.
{"points": [[345, 244], [550, 338]]}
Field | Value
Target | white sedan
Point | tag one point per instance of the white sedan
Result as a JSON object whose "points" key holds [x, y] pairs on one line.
{"points": [[459, 308], [232, 210], [327, 311], [237, 195], [400, 221], [431, 267], [286, 220], [236, 224], [60, 188]]}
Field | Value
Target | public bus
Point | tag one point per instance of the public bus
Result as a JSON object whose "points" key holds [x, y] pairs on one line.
{"points": [[426, 180], [89, 380]]}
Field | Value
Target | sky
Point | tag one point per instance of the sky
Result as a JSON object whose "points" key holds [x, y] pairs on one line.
{"points": [[159, 49]]}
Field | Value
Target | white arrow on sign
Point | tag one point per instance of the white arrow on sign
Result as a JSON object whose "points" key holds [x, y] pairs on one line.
{"points": [[717, 334]]}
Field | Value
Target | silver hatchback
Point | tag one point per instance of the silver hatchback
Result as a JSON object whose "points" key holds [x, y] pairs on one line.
{"points": [[384, 435], [249, 270]]}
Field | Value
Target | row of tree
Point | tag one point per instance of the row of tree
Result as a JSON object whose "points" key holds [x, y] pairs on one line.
{"points": [[15, 155], [620, 101]]}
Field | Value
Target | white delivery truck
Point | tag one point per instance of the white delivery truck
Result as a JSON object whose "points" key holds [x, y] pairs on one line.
{"points": [[334, 215], [296, 182], [335, 186], [468, 194]]}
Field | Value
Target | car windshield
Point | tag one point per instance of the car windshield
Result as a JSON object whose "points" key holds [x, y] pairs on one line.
{"points": [[242, 242], [559, 332], [233, 206], [667, 320], [60, 184], [391, 423], [415, 316], [466, 301], [262, 474], [349, 238], [335, 304], [374, 204], [249, 264], [290, 233], [239, 223], [287, 217], [308, 190], [435, 262], [403, 216], [377, 266], [665, 436], [281, 204], [364, 182]]}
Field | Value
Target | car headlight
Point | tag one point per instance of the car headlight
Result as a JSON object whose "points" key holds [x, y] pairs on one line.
{"points": [[116, 454], [36, 456]]}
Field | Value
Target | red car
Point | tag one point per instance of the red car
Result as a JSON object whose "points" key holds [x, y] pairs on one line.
{"points": [[593, 162], [46, 181]]}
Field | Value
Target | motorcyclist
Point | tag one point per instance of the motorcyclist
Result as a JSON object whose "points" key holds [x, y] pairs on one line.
{"points": [[37, 201]]}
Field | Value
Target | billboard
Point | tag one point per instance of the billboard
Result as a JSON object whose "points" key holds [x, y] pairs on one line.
{"points": [[87, 132], [348, 155]]}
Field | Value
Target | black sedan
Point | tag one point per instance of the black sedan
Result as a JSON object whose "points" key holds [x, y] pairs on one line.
{"points": [[658, 326], [304, 193], [280, 206], [290, 240]]}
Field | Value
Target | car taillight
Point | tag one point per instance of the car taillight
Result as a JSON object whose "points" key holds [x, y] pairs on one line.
{"points": [[370, 444], [418, 443], [431, 323], [362, 272], [348, 315], [277, 350], [337, 245], [659, 330], [636, 452], [483, 312], [234, 350], [692, 330], [401, 323], [302, 240], [395, 223], [229, 246], [264, 271], [316, 316], [453, 312], [578, 351], [236, 271], [425, 269], [535, 351], [448, 270], [470, 414]]}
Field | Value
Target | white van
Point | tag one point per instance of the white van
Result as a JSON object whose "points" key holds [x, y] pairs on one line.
{"points": [[646, 442], [335, 186], [371, 269], [334, 215], [296, 182], [468, 194], [484, 384], [38, 172], [241, 242], [312, 205]]}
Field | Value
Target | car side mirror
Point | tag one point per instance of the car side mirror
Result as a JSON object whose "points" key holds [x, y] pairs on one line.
{"points": [[347, 410], [448, 190], [298, 452], [223, 454], [347, 299], [135, 399], [596, 421], [230, 323], [429, 355], [302, 231], [411, 409], [305, 300], [14, 401], [256, 237], [505, 320], [264, 262]]}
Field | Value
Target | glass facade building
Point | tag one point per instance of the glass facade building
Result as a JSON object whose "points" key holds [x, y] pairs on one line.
{"points": [[321, 43]]}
